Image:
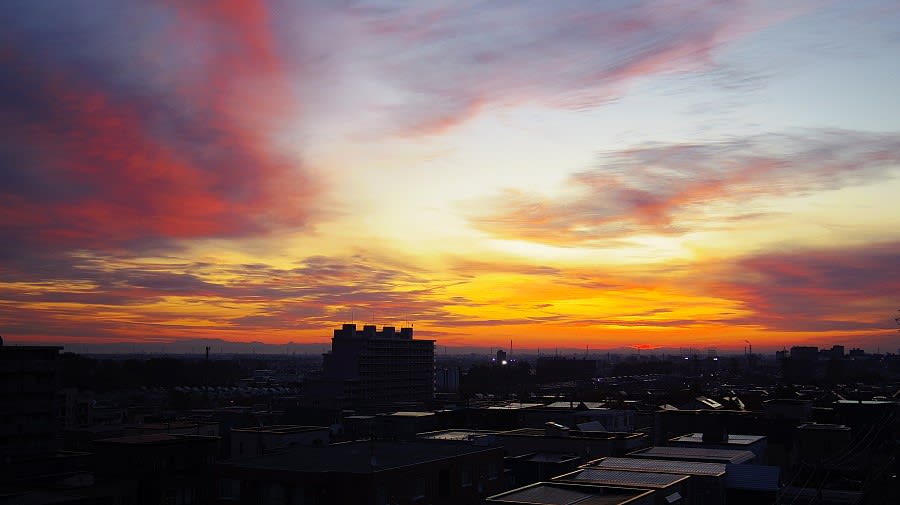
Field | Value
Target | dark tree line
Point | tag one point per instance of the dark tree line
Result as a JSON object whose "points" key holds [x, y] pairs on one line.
{"points": [[514, 378], [107, 374]]}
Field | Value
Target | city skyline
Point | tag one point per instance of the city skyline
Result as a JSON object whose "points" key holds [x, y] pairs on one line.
{"points": [[659, 174]]}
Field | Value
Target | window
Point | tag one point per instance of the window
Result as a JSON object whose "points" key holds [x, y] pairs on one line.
{"points": [[229, 489], [444, 482], [493, 471], [465, 475], [419, 488], [274, 493]]}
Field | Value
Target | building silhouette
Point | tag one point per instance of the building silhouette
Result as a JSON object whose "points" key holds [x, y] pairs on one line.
{"points": [[29, 403], [378, 366]]}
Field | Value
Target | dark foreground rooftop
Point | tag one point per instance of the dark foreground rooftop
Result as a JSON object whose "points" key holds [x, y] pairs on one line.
{"points": [[358, 457], [544, 493]]}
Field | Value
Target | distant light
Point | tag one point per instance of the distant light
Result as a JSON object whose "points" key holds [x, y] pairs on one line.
{"points": [[716, 358], [685, 357], [503, 362]]}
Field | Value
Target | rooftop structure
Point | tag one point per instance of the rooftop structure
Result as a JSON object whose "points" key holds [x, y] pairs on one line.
{"points": [[162, 464], [699, 454], [576, 405], [455, 435], [757, 444], [702, 402], [357, 457], [624, 478], [667, 488], [258, 440], [280, 429], [661, 466], [736, 440], [371, 471]]}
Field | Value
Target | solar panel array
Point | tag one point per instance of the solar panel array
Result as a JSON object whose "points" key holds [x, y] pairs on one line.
{"points": [[664, 466], [625, 477]]}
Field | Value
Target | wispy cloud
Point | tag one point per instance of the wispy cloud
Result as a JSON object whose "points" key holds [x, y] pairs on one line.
{"points": [[667, 188], [104, 296], [563, 54]]}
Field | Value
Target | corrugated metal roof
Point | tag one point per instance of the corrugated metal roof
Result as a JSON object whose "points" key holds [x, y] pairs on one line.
{"points": [[662, 465], [624, 477], [695, 453]]}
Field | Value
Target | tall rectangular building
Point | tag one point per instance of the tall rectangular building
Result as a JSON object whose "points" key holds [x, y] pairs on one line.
{"points": [[29, 407], [380, 366]]}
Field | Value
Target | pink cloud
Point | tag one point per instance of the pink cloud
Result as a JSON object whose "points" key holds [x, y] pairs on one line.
{"points": [[815, 290], [103, 160], [664, 188]]}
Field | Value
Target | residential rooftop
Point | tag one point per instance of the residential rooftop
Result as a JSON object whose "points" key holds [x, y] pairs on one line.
{"points": [[154, 439], [539, 432], [699, 454], [514, 406], [411, 414], [546, 457], [627, 478], [576, 405], [455, 435], [280, 429], [732, 439], [661, 466], [823, 427], [544, 493]]}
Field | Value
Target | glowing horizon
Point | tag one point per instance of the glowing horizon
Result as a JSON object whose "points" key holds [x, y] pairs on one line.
{"points": [[656, 174]]}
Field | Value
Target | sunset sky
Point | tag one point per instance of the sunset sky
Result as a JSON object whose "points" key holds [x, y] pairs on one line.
{"points": [[562, 173]]}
